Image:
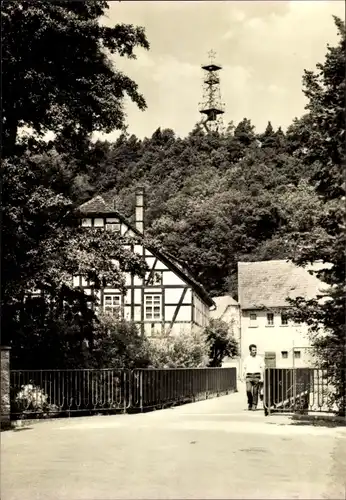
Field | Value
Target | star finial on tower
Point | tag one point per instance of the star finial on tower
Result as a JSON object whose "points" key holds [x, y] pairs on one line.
{"points": [[211, 55]]}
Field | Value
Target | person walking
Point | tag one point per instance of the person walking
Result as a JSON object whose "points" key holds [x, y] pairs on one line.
{"points": [[253, 370]]}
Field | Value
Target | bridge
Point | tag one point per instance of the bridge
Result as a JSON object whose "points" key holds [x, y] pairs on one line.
{"points": [[213, 449]]}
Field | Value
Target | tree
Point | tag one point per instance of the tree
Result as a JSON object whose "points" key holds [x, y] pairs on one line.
{"points": [[298, 134], [43, 248], [245, 132], [73, 89], [324, 149], [325, 91], [220, 341], [268, 138]]}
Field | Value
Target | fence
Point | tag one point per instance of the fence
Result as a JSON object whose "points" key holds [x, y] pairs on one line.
{"points": [[54, 393], [298, 390]]}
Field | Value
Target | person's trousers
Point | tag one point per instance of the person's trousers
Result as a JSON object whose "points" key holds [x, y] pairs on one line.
{"points": [[252, 387]]}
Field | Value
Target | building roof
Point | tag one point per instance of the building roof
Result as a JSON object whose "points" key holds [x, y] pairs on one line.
{"points": [[97, 206], [223, 303], [270, 283]]}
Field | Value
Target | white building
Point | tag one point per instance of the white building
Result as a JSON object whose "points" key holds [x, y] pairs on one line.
{"points": [[263, 288]]}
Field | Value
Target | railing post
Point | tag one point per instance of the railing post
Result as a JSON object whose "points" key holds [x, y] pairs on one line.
{"points": [[141, 390], [269, 390], [5, 385], [129, 389], [125, 389], [206, 385]]}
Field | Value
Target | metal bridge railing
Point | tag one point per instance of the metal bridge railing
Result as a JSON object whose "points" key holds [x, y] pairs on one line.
{"points": [[290, 390], [54, 393]]}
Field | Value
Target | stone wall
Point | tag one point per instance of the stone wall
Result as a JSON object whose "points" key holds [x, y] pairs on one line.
{"points": [[5, 384]]}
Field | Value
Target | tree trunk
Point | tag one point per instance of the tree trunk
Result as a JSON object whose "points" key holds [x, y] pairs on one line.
{"points": [[10, 131]]}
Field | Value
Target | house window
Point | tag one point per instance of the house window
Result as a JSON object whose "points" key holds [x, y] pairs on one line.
{"points": [[284, 319], [86, 222], [284, 354], [112, 305], [113, 226], [153, 307], [253, 319], [270, 319], [297, 354]]}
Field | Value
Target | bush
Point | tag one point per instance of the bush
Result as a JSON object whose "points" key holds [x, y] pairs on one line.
{"points": [[185, 350], [118, 344]]}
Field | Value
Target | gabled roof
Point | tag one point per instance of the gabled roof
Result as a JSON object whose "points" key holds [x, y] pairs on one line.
{"points": [[223, 303], [269, 283], [97, 206]]}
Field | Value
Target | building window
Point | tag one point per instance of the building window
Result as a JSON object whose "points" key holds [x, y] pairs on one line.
{"points": [[153, 307], [112, 305], [253, 319], [284, 319], [297, 354], [86, 222], [113, 226], [270, 319], [284, 354]]}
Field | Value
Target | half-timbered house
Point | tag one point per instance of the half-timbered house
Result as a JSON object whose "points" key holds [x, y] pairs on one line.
{"points": [[168, 299]]}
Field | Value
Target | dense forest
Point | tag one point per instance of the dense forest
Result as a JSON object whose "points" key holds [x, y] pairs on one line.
{"points": [[211, 199]]}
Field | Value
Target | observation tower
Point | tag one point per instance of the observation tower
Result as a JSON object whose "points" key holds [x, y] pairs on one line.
{"points": [[212, 108]]}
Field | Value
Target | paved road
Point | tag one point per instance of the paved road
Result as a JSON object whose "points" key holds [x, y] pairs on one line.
{"points": [[212, 449]]}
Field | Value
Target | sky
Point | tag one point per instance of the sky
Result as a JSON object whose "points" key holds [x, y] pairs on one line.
{"points": [[263, 47]]}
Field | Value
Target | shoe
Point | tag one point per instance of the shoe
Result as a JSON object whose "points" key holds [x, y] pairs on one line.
{"points": [[249, 407], [254, 408]]}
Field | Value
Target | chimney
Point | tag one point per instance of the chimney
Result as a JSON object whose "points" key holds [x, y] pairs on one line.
{"points": [[140, 209]]}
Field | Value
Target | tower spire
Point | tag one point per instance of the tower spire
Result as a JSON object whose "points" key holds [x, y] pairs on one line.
{"points": [[212, 108], [212, 55]]}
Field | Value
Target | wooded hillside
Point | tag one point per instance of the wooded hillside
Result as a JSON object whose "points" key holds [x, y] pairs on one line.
{"points": [[211, 199]]}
